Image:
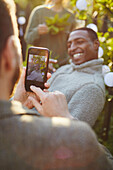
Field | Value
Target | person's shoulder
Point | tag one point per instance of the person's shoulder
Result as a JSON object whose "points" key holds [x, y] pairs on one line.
{"points": [[39, 8], [18, 109], [14, 108]]}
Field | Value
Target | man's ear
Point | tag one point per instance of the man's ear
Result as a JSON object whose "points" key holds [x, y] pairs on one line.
{"points": [[96, 45], [9, 55]]}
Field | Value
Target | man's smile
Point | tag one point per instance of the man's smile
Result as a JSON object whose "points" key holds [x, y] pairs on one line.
{"points": [[77, 55]]}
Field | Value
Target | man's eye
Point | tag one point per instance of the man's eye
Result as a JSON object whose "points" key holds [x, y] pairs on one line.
{"points": [[80, 42]]}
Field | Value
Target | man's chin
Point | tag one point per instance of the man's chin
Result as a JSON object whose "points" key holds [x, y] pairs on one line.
{"points": [[76, 62]]}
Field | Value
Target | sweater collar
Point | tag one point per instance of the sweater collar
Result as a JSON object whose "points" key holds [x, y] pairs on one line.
{"points": [[90, 66]]}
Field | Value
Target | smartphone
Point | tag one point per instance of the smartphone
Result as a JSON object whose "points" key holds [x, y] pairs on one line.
{"points": [[37, 67]]}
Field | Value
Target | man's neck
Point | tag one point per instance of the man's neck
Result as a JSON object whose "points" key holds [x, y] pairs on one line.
{"points": [[4, 90], [57, 8]]}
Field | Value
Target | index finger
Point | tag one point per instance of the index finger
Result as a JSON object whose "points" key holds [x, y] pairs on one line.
{"points": [[38, 92]]}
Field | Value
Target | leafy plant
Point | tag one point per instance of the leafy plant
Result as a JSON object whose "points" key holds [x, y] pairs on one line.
{"points": [[106, 42], [57, 24]]}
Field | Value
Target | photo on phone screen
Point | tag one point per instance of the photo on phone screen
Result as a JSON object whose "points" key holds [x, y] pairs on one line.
{"points": [[37, 67]]}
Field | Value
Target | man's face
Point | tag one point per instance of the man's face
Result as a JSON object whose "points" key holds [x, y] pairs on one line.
{"points": [[81, 47]]}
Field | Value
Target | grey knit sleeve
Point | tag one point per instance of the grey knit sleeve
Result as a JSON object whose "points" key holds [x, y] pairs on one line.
{"points": [[87, 103]]}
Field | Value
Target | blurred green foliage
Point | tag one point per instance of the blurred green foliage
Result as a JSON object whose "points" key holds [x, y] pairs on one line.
{"points": [[57, 24], [106, 42]]}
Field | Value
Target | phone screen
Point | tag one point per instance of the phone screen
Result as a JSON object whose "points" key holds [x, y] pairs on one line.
{"points": [[37, 67]]}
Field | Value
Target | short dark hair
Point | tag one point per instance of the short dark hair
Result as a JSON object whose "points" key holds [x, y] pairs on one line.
{"points": [[8, 23], [92, 34]]}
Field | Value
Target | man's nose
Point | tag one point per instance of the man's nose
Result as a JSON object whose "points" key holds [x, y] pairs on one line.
{"points": [[73, 46]]}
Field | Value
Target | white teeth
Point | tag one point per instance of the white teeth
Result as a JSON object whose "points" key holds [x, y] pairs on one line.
{"points": [[77, 55]]}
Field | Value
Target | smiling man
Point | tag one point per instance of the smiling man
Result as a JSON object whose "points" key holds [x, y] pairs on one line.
{"points": [[82, 80], [83, 45]]}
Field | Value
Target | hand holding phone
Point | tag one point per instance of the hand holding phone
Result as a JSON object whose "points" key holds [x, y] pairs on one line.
{"points": [[43, 29], [37, 67]]}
